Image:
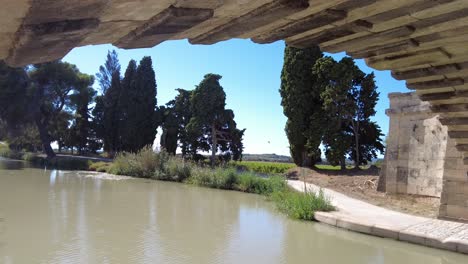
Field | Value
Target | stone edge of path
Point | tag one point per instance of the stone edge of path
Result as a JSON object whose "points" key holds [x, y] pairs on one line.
{"points": [[449, 243], [440, 234]]}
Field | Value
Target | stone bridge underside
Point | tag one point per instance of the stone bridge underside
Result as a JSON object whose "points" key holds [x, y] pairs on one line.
{"points": [[421, 41]]}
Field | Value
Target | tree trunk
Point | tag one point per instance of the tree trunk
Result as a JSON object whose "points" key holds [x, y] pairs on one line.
{"points": [[343, 163], [356, 142], [45, 139], [214, 144], [306, 161]]}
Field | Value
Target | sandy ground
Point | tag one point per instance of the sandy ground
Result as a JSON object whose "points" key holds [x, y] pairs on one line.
{"points": [[362, 185]]}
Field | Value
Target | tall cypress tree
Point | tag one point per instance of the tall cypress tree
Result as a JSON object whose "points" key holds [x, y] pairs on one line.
{"points": [[144, 105], [111, 116], [127, 115], [302, 104], [106, 111]]}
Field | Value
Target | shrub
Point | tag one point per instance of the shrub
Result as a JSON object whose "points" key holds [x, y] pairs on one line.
{"points": [[162, 166], [6, 152], [99, 166], [263, 167], [251, 183], [173, 169], [143, 164], [301, 205]]}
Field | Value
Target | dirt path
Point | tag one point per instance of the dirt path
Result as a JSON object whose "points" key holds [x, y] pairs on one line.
{"points": [[362, 185]]}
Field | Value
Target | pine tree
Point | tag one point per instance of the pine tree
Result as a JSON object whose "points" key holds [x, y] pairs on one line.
{"points": [[349, 98], [302, 104], [107, 71], [367, 134], [14, 86], [52, 84], [211, 125], [81, 101]]}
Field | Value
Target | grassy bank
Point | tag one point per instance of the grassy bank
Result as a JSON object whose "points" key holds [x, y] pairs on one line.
{"points": [[161, 166], [263, 167]]}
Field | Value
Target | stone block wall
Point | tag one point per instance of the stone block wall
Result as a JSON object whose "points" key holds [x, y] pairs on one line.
{"points": [[421, 158], [454, 199], [415, 147]]}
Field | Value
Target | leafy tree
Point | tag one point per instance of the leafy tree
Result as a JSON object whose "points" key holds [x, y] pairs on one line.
{"points": [[111, 116], [230, 137], [349, 98], [52, 83], [301, 103], [170, 128], [107, 71], [126, 111], [367, 134], [183, 113], [370, 142], [80, 101], [140, 119], [97, 131], [25, 138], [211, 125], [14, 98], [208, 101], [60, 131]]}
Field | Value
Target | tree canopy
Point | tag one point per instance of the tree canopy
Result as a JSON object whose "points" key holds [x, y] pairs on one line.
{"points": [[329, 103]]}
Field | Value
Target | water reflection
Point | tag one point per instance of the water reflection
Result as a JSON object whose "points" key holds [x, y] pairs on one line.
{"points": [[65, 217], [11, 164]]}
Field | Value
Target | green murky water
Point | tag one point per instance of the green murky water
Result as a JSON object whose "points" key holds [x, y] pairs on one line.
{"points": [[67, 217]]}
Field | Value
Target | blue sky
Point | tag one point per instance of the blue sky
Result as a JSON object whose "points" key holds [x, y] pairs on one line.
{"points": [[251, 80]]}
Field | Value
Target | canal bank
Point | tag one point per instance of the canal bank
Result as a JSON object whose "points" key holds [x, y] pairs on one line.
{"points": [[362, 217]]}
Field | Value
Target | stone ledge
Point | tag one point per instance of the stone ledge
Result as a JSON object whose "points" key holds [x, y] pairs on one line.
{"points": [[451, 236]]}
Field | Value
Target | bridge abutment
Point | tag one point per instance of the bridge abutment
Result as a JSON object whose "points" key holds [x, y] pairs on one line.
{"points": [[422, 159]]}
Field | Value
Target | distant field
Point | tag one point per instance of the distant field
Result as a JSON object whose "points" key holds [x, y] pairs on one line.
{"points": [[264, 167], [280, 167]]}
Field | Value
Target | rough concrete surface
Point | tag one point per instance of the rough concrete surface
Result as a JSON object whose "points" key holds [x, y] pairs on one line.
{"points": [[369, 219]]}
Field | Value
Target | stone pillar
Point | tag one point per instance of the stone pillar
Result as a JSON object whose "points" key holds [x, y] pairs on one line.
{"points": [[421, 158], [415, 147], [454, 199]]}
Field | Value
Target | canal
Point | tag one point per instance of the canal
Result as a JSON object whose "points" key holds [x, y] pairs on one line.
{"points": [[50, 216]]}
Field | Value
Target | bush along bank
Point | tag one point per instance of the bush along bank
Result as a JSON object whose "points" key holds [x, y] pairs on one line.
{"points": [[162, 166]]}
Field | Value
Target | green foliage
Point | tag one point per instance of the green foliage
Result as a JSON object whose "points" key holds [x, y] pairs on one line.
{"points": [[301, 206], [263, 167], [142, 164], [349, 98], [14, 96], [162, 166], [6, 152], [108, 70], [100, 166], [301, 103], [328, 102], [110, 116], [83, 96], [52, 84], [248, 182], [125, 117], [211, 126]]}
